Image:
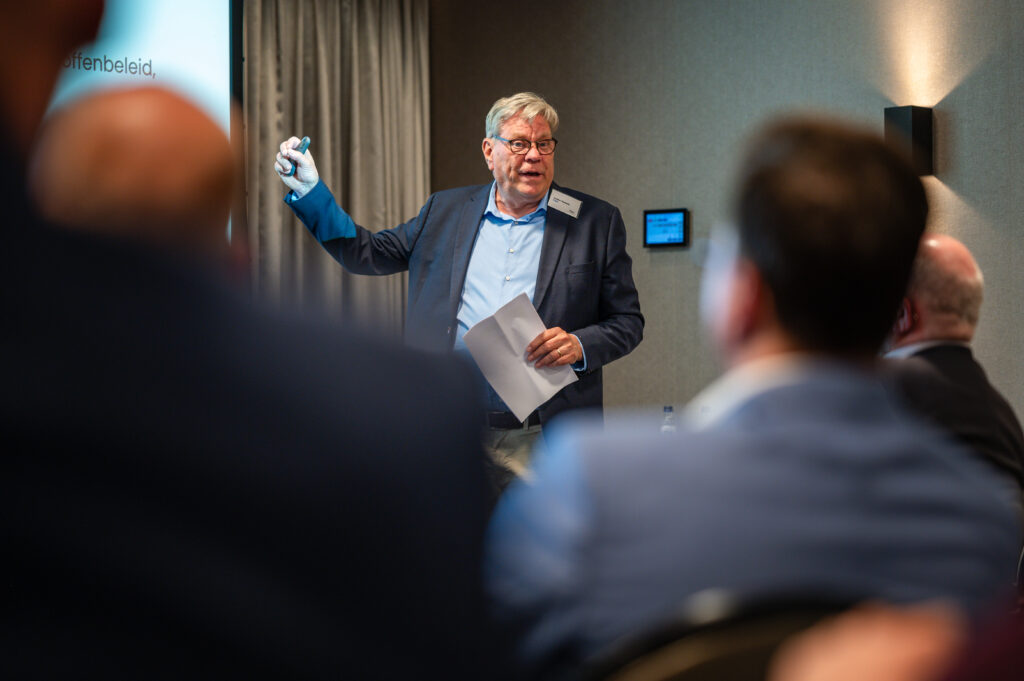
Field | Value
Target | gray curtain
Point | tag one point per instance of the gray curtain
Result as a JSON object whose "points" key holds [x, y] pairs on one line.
{"points": [[353, 75]]}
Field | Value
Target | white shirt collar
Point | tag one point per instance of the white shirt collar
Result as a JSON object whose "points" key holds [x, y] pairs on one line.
{"points": [[741, 384], [914, 348]]}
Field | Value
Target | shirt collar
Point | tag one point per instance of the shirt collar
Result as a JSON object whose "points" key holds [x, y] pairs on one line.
{"points": [[739, 385], [492, 207], [914, 348]]}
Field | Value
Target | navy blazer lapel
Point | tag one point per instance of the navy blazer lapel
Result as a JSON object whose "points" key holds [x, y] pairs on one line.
{"points": [[465, 235], [556, 227]]}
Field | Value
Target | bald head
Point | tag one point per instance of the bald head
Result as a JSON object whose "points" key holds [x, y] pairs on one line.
{"points": [[141, 162], [944, 295]]}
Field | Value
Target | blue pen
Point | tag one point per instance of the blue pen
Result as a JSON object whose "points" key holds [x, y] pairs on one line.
{"points": [[303, 145]]}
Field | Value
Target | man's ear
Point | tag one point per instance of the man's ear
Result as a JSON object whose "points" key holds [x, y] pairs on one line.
{"points": [[488, 149], [753, 301], [744, 305], [904, 318]]}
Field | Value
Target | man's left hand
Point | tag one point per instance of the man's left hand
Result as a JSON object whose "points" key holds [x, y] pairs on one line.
{"points": [[554, 347]]}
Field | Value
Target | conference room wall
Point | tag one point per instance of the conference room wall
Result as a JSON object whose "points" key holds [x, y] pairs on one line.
{"points": [[657, 97]]}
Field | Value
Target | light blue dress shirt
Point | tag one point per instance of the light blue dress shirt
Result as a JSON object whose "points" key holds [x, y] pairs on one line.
{"points": [[503, 264]]}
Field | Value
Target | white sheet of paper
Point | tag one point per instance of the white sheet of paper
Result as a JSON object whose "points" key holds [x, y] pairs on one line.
{"points": [[498, 344]]}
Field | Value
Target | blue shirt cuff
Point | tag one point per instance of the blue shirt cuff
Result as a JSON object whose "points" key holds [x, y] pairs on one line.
{"points": [[314, 211], [582, 364]]}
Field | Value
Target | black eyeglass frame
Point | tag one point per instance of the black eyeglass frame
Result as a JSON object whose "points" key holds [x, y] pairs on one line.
{"points": [[524, 152]]}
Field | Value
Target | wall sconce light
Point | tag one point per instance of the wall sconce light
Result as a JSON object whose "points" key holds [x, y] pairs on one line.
{"points": [[910, 129]]}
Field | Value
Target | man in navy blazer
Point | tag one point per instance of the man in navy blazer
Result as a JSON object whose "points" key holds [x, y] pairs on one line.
{"points": [[795, 475], [472, 249]]}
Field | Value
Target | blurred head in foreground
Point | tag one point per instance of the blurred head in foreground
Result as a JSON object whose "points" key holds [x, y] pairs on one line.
{"points": [[943, 298], [34, 39], [874, 641], [828, 219], [142, 163]]}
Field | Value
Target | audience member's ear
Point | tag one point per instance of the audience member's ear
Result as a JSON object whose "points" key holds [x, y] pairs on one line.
{"points": [[753, 306], [744, 306], [905, 318]]}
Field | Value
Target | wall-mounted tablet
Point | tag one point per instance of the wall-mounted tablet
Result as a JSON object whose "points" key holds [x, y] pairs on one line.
{"points": [[667, 227]]}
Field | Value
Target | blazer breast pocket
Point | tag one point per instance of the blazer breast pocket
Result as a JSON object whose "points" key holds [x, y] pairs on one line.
{"points": [[580, 284], [584, 269]]}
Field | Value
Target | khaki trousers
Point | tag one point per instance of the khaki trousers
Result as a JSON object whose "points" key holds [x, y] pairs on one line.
{"points": [[511, 449]]}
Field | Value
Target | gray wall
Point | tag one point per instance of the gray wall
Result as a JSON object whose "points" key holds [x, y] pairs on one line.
{"points": [[657, 96]]}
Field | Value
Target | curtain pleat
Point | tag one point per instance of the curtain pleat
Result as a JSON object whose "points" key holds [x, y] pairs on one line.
{"points": [[354, 76]]}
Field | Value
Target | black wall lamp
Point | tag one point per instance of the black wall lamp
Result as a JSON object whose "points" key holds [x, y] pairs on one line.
{"points": [[910, 129]]}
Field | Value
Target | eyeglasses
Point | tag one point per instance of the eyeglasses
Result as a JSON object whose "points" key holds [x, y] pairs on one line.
{"points": [[522, 146]]}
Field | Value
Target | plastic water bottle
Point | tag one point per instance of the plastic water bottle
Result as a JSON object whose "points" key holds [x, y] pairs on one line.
{"points": [[668, 423]]}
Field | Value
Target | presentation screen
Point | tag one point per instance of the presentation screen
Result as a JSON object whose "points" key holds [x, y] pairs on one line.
{"points": [[667, 227], [183, 45]]}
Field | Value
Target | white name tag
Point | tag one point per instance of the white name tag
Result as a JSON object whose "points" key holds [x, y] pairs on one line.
{"points": [[564, 203]]}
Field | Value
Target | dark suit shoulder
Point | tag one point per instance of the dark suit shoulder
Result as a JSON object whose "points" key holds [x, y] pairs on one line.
{"points": [[946, 385], [461, 194], [912, 376]]}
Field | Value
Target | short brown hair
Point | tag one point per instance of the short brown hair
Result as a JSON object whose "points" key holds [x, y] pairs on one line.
{"points": [[831, 216]]}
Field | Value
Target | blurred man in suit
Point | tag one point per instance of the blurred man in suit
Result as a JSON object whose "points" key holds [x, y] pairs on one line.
{"points": [[937, 373], [194, 488], [796, 474]]}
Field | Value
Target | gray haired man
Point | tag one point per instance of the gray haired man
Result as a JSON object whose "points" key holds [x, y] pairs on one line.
{"points": [[473, 249]]}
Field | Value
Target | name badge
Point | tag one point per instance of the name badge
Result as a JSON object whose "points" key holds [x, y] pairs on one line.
{"points": [[564, 203]]}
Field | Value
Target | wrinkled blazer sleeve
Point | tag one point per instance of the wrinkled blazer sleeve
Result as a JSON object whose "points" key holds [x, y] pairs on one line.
{"points": [[384, 252]]}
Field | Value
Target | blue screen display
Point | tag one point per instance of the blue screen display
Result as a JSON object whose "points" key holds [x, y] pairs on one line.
{"points": [[665, 228]]}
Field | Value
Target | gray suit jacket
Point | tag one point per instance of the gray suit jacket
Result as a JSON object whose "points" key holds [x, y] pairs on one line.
{"points": [[821, 487], [584, 281]]}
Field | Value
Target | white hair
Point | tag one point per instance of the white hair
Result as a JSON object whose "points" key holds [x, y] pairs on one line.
{"points": [[525, 104]]}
